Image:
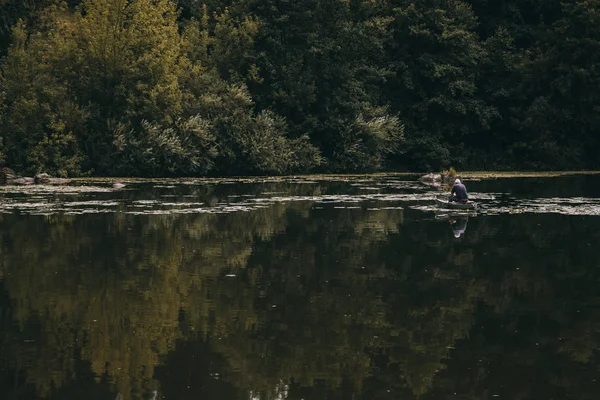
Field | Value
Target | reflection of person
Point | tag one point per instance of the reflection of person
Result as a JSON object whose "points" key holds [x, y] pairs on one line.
{"points": [[459, 192], [459, 226]]}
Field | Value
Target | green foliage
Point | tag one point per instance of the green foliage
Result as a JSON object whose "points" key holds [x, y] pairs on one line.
{"points": [[437, 57], [332, 85], [187, 147], [11, 11], [247, 142], [42, 122], [364, 144], [224, 43], [317, 63], [450, 173], [265, 148], [2, 112], [119, 91], [560, 124]]}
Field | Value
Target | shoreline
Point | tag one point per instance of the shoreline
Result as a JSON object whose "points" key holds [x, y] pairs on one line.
{"points": [[325, 176]]}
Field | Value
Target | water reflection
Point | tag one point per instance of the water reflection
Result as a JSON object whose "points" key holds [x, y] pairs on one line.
{"points": [[459, 225], [297, 300], [457, 220]]}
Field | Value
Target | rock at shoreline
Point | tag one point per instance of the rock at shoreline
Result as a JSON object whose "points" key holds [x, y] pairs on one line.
{"points": [[436, 180], [118, 185], [431, 178], [21, 181], [46, 179], [8, 177]]}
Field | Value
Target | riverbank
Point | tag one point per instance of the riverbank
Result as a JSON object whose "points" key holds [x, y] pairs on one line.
{"points": [[465, 174]]}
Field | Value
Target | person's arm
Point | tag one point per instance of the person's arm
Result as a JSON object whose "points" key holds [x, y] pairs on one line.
{"points": [[453, 191]]}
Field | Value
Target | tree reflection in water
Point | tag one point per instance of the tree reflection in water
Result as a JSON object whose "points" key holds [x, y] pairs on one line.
{"points": [[296, 301]]}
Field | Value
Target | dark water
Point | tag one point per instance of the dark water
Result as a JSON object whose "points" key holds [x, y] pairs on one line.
{"points": [[296, 289]]}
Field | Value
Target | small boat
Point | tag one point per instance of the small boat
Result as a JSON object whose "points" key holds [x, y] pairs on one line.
{"points": [[469, 205]]}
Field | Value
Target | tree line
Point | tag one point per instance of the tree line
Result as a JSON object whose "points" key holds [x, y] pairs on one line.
{"points": [[163, 87]]}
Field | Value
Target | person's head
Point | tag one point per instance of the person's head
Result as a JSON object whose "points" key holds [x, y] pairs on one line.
{"points": [[457, 181]]}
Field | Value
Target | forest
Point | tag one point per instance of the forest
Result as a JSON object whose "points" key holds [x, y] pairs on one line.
{"points": [[248, 87]]}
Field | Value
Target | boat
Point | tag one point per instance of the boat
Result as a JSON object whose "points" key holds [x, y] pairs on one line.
{"points": [[469, 205]]}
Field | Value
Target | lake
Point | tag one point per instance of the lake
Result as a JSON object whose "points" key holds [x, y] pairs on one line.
{"points": [[300, 288]]}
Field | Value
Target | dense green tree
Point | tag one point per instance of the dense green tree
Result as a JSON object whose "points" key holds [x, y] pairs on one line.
{"points": [[11, 11], [314, 68], [249, 141], [42, 120], [2, 111], [558, 125], [66, 82], [437, 58], [224, 43], [527, 21], [112, 90], [97, 86]]}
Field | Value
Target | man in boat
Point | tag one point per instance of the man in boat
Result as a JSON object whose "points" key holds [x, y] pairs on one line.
{"points": [[459, 192]]}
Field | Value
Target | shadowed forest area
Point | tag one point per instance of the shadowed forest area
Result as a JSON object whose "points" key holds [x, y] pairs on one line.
{"points": [[217, 87]]}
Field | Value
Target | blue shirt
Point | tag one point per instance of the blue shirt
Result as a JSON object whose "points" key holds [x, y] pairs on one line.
{"points": [[461, 192]]}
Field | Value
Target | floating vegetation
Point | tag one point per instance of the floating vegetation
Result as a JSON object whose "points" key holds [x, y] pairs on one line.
{"points": [[557, 205], [62, 189], [369, 193], [479, 175]]}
